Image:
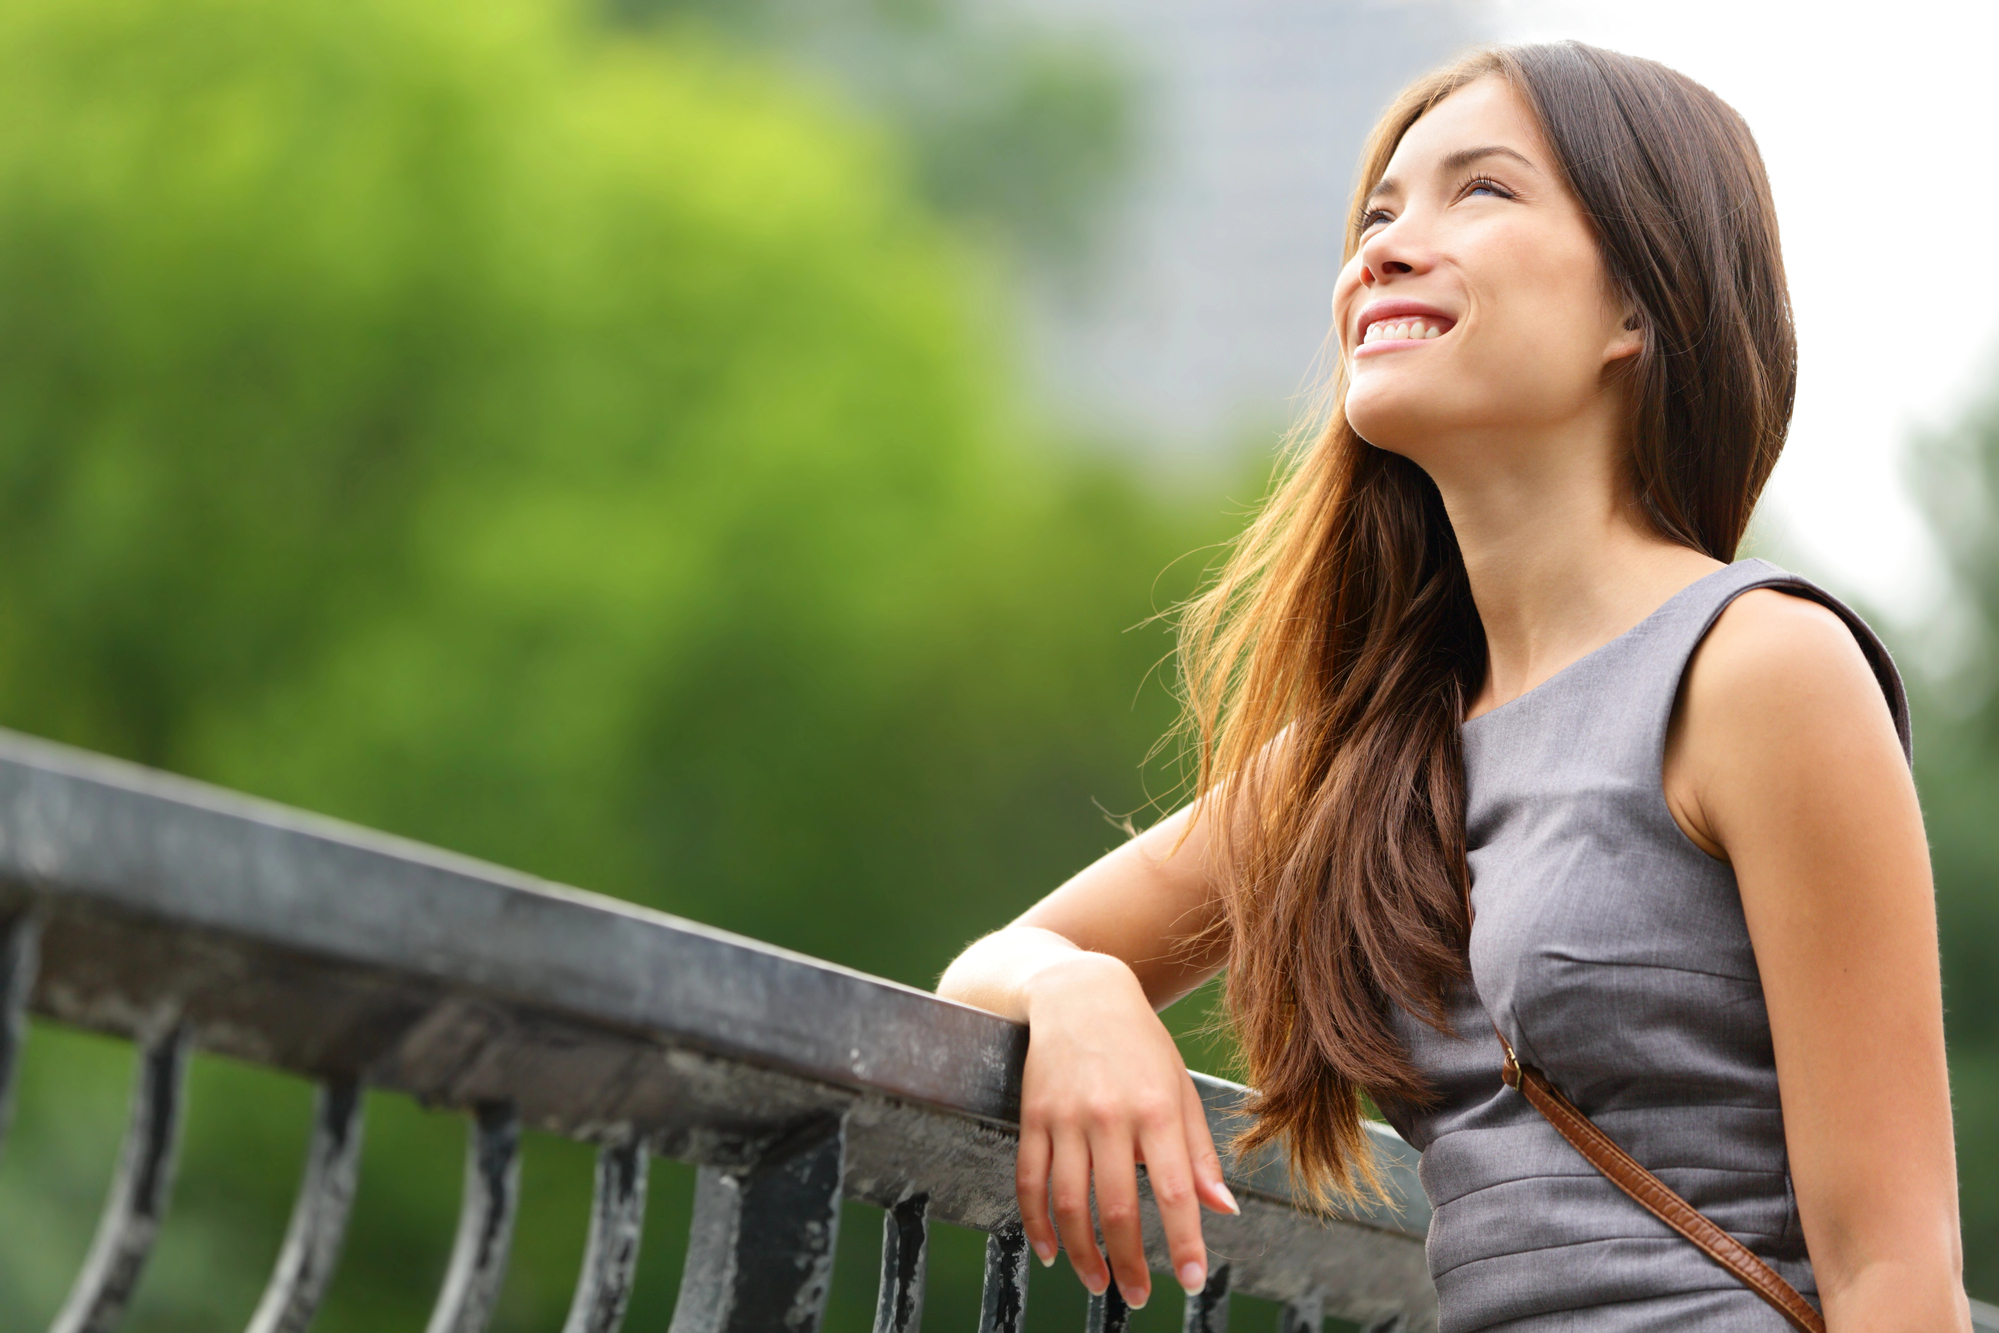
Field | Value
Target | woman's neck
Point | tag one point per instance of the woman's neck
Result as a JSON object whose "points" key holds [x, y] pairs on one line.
{"points": [[1561, 562]]}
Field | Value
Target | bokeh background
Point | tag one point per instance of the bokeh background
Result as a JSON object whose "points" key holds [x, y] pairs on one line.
{"points": [[730, 454]]}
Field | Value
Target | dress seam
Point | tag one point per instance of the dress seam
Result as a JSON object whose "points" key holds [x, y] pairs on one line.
{"points": [[1593, 1174], [1744, 1236], [1661, 967], [1628, 1300]]}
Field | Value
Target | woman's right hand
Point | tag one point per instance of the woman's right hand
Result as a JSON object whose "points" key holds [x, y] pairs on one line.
{"points": [[1087, 969], [1105, 1089]]}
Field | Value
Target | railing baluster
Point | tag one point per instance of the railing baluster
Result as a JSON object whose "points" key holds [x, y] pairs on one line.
{"points": [[1003, 1307], [485, 1222], [140, 1192], [1108, 1312], [319, 1218], [905, 1253], [760, 1259], [1302, 1316], [1208, 1308], [19, 949], [617, 1221]]}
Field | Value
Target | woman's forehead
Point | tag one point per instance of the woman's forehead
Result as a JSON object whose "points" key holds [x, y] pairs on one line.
{"points": [[1487, 113]]}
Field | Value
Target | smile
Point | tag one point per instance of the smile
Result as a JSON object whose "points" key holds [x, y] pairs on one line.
{"points": [[1403, 330], [1398, 323]]}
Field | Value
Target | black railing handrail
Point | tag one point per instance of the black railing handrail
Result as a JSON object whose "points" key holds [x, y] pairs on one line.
{"points": [[184, 916]]}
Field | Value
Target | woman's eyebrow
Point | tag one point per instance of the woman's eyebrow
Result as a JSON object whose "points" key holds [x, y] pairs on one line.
{"points": [[1457, 161], [1464, 157]]}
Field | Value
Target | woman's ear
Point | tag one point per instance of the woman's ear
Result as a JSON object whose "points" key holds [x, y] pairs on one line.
{"points": [[1629, 339]]}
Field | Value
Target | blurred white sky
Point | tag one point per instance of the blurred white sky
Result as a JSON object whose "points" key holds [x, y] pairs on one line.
{"points": [[1878, 125]]}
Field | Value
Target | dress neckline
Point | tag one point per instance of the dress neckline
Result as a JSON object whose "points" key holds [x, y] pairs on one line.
{"points": [[1609, 644]]}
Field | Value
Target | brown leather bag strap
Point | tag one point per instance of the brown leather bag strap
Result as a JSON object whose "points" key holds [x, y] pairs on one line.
{"points": [[1655, 1196]]}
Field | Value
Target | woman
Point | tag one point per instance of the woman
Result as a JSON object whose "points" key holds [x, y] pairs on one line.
{"points": [[1492, 737]]}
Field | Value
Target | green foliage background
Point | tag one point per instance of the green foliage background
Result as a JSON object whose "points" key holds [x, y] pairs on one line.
{"points": [[577, 443], [1956, 476], [579, 437]]}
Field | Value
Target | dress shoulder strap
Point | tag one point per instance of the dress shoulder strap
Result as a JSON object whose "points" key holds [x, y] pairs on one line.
{"points": [[1693, 612]]}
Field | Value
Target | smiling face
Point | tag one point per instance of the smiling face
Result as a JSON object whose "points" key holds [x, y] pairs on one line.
{"points": [[1476, 309]]}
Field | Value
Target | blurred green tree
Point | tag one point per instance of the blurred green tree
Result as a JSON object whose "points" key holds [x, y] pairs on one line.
{"points": [[1018, 131], [1957, 769], [578, 447]]}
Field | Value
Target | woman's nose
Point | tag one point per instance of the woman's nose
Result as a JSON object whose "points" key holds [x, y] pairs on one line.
{"points": [[1390, 252]]}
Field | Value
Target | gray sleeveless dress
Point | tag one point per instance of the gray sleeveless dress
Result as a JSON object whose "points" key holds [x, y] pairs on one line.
{"points": [[1613, 953]]}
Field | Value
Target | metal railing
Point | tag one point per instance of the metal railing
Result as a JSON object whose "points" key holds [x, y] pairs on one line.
{"points": [[184, 917]]}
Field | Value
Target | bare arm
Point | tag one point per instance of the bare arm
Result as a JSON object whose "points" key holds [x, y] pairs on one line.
{"points": [[1104, 1088], [1138, 903], [1784, 762]]}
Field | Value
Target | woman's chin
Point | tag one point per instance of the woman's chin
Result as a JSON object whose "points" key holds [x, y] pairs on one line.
{"points": [[1395, 426]]}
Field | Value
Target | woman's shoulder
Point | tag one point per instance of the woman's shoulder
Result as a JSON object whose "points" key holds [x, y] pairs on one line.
{"points": [[1781, 696], [1779, 649]]}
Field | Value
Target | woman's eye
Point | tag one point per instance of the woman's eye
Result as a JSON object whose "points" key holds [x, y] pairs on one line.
{"points": [[1372, 218], [1490, 187]]}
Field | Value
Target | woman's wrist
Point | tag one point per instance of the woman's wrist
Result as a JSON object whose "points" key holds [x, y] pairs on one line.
{"points": [[1080, 972]]}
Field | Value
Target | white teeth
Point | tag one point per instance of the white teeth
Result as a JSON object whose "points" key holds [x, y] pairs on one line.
{"points": [[1402, 329]]}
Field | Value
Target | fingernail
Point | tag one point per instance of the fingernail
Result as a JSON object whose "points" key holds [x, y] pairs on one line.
{"points": [[1228, 1198], [1135, 1302], [1094, 1284], [1193, 1277], [1044, 1252]]}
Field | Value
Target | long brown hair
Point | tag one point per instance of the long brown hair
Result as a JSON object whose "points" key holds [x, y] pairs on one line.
{"points": [[1327, 667]]}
